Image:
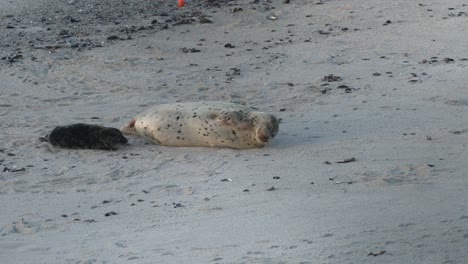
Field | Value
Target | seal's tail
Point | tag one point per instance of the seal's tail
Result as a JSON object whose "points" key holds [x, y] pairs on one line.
{"points": [[129, 129]]}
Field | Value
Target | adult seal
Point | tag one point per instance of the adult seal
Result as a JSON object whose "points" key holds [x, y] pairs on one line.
{"points": [[204, 124], [85, 136]]}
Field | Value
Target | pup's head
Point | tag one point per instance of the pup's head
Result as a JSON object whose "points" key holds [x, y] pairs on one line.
{"points": [[112, 138]]}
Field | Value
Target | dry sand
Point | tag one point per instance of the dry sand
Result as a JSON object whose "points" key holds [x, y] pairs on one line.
{"points": [[397, 102]]}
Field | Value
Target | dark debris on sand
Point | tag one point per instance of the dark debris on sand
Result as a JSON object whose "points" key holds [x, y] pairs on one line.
{"points": [[88, 24]]}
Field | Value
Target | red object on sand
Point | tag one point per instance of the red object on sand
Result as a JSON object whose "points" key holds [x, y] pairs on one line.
{"points": [[180, 3]]}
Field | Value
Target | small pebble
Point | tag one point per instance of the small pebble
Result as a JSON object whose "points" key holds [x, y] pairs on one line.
{"points": [[272, 17], [110, 213]]}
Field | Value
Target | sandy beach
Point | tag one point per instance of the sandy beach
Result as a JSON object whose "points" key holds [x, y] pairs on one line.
{"points": [[369, 165]]}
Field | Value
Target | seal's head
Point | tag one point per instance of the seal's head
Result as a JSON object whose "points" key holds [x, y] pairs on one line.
{"points": [[266, 127], [111, 138]]}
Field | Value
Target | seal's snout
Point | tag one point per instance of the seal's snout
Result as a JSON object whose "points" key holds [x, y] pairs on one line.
{"points": [[262, 135], [264, 138], [112, 138], [123, 140]]}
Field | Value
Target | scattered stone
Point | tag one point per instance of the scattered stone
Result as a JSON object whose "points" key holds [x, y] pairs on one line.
{"points": [[276, 178], [272, 17], [272, 188], [347, 160], [237, 9], [110, 213], [374, 254], [345, 87], [457, 131], [113, 37], [177, 205], [448, 60], [12, 58], [226, 180], [229, 46], [331, 78], [191, 50], [205, 20], [321, 32], [327, 162]]}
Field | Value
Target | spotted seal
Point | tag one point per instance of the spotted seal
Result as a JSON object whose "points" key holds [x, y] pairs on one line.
{"points": [[85, 136], [204, 124]]}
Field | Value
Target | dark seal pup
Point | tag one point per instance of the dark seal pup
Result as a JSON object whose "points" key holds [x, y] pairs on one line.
{"points": [[86, 136]]}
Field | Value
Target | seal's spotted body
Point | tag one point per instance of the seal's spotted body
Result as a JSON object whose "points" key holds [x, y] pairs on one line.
{"points": [[204, 124]]}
